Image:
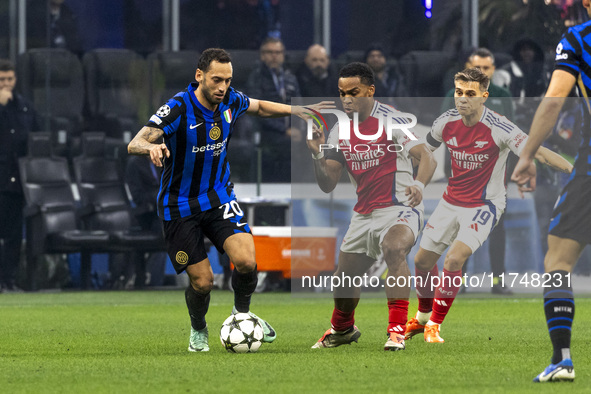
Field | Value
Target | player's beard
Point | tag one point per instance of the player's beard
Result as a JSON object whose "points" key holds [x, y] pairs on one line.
{"points": [[210, 97], [378, 68], [319, 72]]}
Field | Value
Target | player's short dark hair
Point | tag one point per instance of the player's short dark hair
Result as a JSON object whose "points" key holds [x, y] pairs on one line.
{"points": [[6, 65], [482, 52], [213, 54], [473, 75], [358, 69]]}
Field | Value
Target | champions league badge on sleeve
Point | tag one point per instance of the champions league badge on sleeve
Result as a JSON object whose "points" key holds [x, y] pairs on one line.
{"points": [[163, 111]]}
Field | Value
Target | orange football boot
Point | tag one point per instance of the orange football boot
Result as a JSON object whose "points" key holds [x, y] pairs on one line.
{"points": [[432, 334], [413, 327]]}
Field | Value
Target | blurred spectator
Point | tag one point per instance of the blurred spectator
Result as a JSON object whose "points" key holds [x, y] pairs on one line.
{"points": [[17, 119], [529, 75], [316, 76], [388, 78], [270, 81], [63, 26], [143, 179]]}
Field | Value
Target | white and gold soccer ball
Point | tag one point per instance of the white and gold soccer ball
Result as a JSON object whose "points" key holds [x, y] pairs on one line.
{"points": [[241, 333]]}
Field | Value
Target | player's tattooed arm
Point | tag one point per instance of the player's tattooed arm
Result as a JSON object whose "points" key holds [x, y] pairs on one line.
{"points": [[148, 141], [144, 140], [554, 160]]}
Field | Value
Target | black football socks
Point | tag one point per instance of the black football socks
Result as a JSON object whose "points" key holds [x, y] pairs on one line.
{"points": [[243, 285], [198, 304], [559, 306]]}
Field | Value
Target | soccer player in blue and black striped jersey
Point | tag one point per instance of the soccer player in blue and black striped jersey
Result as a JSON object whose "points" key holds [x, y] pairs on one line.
{"points": [[196, 197], [570, 227]]}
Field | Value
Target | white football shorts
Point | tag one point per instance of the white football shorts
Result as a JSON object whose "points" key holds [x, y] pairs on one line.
{"points": [[366, 232], [448, 222]]}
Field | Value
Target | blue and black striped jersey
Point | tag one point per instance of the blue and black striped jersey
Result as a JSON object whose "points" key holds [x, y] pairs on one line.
{"points": [[196, 176], [573, 55]]}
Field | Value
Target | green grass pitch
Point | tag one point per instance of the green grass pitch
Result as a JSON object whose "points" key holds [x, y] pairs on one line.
{"points": [[136, 342]]}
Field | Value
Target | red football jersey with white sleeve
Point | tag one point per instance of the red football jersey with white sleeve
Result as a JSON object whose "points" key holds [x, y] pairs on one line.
{"points": [[379, 173], [478, 156]]}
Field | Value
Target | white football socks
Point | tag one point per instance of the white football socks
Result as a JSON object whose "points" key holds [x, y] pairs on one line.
{"points": [[423, 317]]}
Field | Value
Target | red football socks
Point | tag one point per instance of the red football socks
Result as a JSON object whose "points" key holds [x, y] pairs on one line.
{"points": [[342, 321], [424, 288], [397, 316], [445, 294]]}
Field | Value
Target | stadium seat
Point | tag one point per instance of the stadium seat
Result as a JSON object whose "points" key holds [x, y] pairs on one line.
{"points": [[423, 73], [348, 57], [117, 91], [105, 201], [170, 73], [351, 56], [243, 61], [53, 79], [294, 58], [52, 225]]}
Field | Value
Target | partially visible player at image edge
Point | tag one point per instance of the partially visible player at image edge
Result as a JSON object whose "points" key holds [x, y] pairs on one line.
{"points": [[478, 141], [570, 226], [196, 197]]}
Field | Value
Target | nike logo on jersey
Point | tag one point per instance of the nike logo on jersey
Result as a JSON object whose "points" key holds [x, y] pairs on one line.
{"points": [[194, 126], [240, 224], [452, 142], [480, 144]]}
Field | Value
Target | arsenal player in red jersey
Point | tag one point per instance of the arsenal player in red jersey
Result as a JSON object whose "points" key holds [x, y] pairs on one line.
{"points": [[388, 215], [479, 141]]}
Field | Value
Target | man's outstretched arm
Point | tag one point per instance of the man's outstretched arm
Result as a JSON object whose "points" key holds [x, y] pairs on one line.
{"points": [[554, 160], [270, 109]]}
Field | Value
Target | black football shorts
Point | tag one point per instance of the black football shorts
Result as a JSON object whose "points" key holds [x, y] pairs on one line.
{"points": [[571, 217], [184, 237]]}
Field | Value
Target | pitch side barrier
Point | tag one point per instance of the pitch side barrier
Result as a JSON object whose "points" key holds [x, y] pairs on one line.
{"points": [[319, 215]]}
